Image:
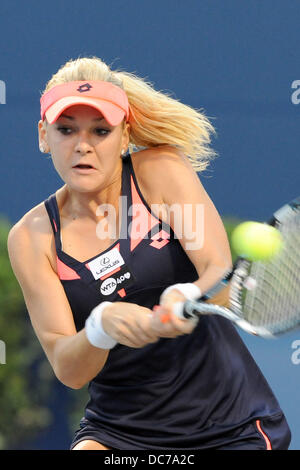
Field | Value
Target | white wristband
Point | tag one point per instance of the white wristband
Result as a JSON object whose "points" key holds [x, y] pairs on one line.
{"points": [[189, 290], [94, 330]]}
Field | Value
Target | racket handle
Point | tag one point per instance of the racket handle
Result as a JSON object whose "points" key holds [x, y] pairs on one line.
{"points": [[164, 317], [184, 311]]}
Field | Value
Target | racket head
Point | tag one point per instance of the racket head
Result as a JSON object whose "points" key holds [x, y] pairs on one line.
{"points": [[267, 294]]}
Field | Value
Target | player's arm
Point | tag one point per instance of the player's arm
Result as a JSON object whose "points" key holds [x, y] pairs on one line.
{"points": [[187, 208], [73, 359], [176, 195], [191, 214], [201, 230]]}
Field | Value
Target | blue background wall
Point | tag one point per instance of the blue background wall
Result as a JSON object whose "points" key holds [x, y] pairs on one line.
{"points": [[236, 59]]}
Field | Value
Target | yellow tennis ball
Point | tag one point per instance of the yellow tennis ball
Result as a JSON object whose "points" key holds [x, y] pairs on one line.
{"points": [[256, 241]]}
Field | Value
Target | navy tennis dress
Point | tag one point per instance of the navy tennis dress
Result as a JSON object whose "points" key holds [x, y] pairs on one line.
{"points": [[198, 391]]}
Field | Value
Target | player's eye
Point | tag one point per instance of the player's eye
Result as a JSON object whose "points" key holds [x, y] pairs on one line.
{"points": [[101, 131], [64, 130]]}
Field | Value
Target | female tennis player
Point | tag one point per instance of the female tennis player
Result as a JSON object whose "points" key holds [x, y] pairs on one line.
{"points": [[102, 261]]}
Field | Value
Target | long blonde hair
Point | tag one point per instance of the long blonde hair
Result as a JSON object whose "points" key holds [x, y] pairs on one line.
{"points": [[156, 118]]}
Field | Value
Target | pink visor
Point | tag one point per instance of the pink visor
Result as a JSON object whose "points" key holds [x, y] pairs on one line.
{"points": [[109, 99]]}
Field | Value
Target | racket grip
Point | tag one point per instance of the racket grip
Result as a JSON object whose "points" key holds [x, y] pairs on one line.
{"points": [[164, 317], [182, 311]]}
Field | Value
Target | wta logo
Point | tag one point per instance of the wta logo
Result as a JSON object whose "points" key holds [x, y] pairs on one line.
{"points": [[110, 284]]}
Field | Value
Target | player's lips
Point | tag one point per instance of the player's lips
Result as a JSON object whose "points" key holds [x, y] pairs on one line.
{"points": [[83, 168]]}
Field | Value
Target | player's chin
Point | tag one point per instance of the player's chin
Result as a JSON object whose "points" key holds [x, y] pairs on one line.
{"points": [[84, 184]]}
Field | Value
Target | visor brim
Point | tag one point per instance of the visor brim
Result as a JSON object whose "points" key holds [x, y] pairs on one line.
{"points": [[111, 113]]}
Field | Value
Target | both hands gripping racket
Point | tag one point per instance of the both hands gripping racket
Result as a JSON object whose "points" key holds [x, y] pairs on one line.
{"points": [[262, 298]]}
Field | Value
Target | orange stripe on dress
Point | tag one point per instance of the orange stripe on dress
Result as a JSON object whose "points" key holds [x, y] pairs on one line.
{"points": [[65, 273], [110, 274], [142, 220], [122, 292], [267, 440]]}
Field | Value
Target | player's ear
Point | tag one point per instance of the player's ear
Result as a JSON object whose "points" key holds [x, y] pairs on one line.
{"points": [[126, 135], [42, 131]]}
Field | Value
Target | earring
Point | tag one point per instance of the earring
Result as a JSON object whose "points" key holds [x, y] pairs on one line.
{"points": [[43, 149]]}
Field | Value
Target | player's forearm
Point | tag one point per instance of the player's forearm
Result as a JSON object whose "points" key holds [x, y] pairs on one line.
{"points": [[212, 274], [76, 361]]}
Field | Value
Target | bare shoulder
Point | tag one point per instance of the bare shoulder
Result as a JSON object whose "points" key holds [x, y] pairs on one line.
{"points": [[158, 158], [164, 169], [31, 232]]}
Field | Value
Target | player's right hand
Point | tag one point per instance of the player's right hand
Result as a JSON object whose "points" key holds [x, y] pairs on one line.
{"points": [[129, 324]]}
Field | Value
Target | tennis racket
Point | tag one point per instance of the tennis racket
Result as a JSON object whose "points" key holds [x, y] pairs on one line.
{"points": [[262, 298]]}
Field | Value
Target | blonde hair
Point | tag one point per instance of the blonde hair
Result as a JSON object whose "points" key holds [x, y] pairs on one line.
{"points": [[156, 118]]}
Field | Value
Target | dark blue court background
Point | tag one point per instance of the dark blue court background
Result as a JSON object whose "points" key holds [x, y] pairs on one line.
{"points": [[236, 59]]}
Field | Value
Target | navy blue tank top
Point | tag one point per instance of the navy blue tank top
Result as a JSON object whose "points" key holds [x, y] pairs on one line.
{"points": [[188, 392]]}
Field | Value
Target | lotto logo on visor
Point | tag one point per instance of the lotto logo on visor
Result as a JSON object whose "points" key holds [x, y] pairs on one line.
{"points": [[85, 87], [110, 100]]}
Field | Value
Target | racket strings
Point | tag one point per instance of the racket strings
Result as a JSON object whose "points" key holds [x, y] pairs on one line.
{"points": [[275, 301]]}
